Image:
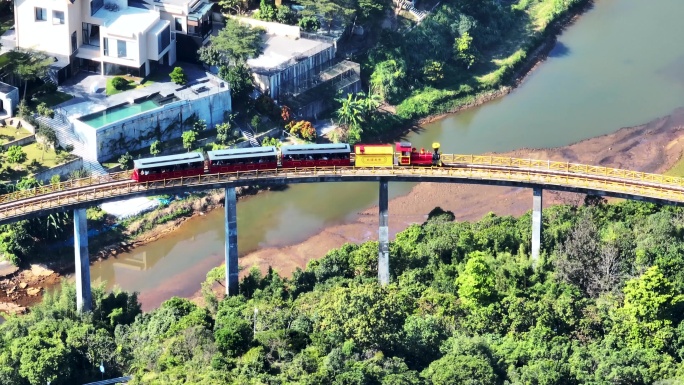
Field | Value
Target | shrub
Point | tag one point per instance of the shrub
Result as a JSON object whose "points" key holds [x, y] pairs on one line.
{"points": [[199, 125], [126, 161], [55, 179], [285, 15], [223, 132], [309, 24], [95, 214], [15, 154], [79, 174], [44, 110], [119, 83], [178, 76], [155, 148], [256, 120]]}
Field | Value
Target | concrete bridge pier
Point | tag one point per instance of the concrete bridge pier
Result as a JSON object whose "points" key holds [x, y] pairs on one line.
{"points": [[82, 262], [536, 222], [383, 234], [231, 245]]}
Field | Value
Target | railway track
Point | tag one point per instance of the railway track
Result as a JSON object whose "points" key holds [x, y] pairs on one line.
{"points": [[457, 168]]}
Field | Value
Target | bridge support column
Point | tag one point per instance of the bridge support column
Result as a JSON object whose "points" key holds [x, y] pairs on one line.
{"points": [[231, 242], [82, 262], [536, 222], [383, 234]]}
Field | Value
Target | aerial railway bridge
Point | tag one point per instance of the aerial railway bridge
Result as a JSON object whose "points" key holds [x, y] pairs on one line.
{"points": [[538, 175]]}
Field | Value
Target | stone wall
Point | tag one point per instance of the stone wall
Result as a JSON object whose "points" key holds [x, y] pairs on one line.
{"points": [[164, 123], [63, 169]]}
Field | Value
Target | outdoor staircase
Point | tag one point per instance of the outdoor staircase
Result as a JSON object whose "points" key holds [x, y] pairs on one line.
{"points": [[65, 135], [249, 135], [417, 13]]}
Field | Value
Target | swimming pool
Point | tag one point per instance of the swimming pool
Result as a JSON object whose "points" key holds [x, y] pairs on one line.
{"points": [[114, 114]]}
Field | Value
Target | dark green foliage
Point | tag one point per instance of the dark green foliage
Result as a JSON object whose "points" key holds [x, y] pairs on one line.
{"points": [[309, 23], [240, 80], [178, 76], [465, 306], [285, 15], [119, 83]]}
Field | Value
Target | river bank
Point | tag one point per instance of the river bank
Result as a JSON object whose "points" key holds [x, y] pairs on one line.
{"points": [[174, 280], [654, 147]]}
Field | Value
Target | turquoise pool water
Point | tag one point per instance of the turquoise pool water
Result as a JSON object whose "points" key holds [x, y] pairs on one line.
{"points": [[111, 115]]}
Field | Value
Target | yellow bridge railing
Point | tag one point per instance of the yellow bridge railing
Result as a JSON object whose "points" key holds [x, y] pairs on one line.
{"points": [[488, 168], [567, 167]]}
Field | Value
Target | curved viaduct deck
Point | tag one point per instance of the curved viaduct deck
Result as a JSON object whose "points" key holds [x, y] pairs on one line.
{"points": [[471, 169]]}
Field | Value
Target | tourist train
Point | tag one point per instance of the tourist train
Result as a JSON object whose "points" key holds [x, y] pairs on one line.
{"points": [[287, 157]]}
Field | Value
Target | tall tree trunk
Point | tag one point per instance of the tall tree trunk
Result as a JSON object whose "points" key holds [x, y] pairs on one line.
{"points": [[25, 88]]}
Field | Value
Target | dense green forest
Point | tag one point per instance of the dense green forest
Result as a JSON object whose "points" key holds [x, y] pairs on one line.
{"points": [[466, 306]]}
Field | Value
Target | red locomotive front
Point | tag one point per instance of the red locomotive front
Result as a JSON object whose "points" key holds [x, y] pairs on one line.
{"points": [[410, 156]]}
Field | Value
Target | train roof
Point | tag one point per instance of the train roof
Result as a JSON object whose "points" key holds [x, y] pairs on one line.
{"points": [[329, 148], [168, 160], [235, 153], [374, 149]]}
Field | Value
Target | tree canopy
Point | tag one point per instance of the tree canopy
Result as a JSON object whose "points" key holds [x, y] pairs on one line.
{"points": [[464, 306], [235, 43]]}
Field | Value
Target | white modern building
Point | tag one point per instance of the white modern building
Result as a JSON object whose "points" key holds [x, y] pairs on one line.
{"points": [[109, 36]]}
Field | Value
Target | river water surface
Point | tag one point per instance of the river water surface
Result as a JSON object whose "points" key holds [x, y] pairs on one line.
{"points": [[621, 64]]}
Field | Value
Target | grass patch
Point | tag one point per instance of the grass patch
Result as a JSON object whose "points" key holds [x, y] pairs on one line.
{"points": [[47, 160], [4, 59], [110, 90], [677, 169], [36, 161], [52, 99], [10, 133]]}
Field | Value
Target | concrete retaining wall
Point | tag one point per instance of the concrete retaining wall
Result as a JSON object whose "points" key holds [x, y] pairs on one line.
{"points": [[19, 142], [63, 169], [164, 123]]}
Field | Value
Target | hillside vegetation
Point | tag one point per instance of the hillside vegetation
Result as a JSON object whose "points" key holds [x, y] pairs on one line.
{"points": [[466, 306], [462, 49]]}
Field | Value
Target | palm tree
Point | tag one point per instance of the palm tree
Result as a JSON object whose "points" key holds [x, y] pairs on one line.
{"points": [[351, 111]]}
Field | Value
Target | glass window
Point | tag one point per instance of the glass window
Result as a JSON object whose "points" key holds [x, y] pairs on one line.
{"points": [[57, 17], [106, 46], [95, 5], [179, 24], [164, 39], [91, 34], [74, 42], [41, 14], [121, 48]]}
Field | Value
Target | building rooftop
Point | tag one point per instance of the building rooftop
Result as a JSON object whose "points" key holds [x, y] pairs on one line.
{"points": [[6, 88], [279, 50], [127, 22]]}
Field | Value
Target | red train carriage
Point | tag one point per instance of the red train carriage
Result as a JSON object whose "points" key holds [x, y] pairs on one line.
{"points": [[165, 167], [410, 156], [243, 159], [315, 155]]}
